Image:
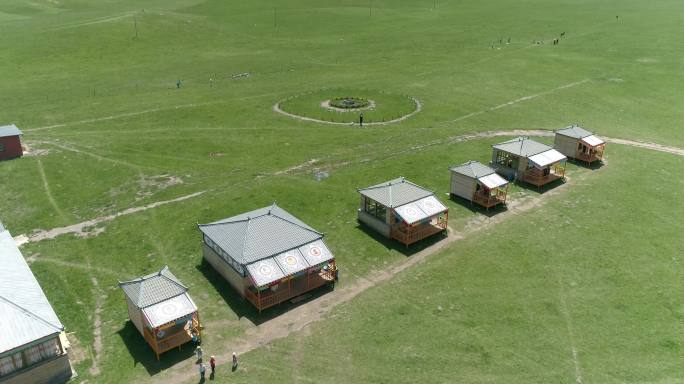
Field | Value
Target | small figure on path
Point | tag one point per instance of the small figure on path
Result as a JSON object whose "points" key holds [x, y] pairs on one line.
{"points": [[235, 361], [361, 119], [212, 364], [178, 84], [198, 351], [202, 370]]}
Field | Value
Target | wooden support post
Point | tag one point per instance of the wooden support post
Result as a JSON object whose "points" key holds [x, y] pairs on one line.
{"points": [[258, 298]]}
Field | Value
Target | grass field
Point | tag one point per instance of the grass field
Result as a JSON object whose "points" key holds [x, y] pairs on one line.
{"points": [[583, 287]]}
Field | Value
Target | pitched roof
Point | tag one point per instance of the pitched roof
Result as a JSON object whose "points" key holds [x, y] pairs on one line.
{"points": [[153, 288], [9, 130], [574, 131], [522, 146], [473, 169], [25, 313], [258, 234], [395, 193]]}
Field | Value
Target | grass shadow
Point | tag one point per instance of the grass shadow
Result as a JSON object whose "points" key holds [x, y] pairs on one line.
{"points": [[399, 247], [143, 354], [242, 307], [583, 164], [477, 208], [544, 188]]}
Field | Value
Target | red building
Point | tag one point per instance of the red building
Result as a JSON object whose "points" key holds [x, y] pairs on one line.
{"points": [[10, 142]]}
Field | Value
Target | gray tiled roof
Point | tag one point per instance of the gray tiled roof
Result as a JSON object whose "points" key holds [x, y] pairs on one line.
{"points": [[473, 169], [25, 313], [153, 288], [258, 234], [395, 193], [522, 146], [574, 131], [9, 130]]}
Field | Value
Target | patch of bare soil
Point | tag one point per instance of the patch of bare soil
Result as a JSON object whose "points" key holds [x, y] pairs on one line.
{"points": [[76, 351], [146, 186]]}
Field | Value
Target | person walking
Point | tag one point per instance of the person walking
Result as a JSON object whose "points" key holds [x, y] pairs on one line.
{"points": [[212, 364], [199, 351], [235, 361], [202, 370]]}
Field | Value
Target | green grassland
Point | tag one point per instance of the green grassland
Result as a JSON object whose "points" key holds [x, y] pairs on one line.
{"points": [[594, 269]]}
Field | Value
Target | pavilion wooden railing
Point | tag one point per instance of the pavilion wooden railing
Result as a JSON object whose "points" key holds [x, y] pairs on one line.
{"points": [[488, 200], [411, 235], [171, 341], [266, 298], [537, 177], [594, 154]]}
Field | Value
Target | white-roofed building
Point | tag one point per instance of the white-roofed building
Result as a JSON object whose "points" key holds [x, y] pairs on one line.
{"points": [[527, 160], [268, 255], [401, 210], [161, 309], [478, 183], [33, 345], [578, 143]]}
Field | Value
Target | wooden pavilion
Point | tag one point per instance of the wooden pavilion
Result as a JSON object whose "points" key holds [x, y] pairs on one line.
{"points": [[580, 144], [478, 183], [401, 210], [528, 161], [161, 309], [268, 255]]}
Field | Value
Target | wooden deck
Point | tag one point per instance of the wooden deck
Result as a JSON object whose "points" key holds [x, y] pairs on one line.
{"points": [[411, 235], [171, 341], [490, 200], [592, 156], [538, 178], [292, 288]]}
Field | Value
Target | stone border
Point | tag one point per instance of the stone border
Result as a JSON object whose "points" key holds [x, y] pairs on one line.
{"points": [[419, 107], [326, 104]]}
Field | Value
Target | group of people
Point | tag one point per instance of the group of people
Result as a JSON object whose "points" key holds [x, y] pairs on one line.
{"points": [[501, 42], [212, 363]]}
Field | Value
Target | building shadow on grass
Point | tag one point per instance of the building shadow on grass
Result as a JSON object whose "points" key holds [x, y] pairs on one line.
{"points": [[477, 208], [544, 188], [242, 307], [583, 164], [143, 354], [398, 246]]}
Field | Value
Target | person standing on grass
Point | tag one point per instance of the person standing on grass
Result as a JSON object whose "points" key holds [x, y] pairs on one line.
{"points": [[202, 370], [361, 119], [212, 364], [198, 351], [235, 361]]}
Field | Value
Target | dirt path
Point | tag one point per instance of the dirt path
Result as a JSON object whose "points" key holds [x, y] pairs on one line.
{"points": [[48, 192], [570, 329], [519, 100], [122, 115], [97, 327], [81, 229], [419, 107]]}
